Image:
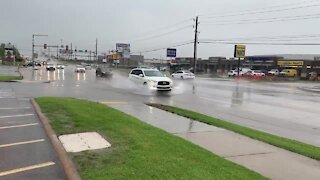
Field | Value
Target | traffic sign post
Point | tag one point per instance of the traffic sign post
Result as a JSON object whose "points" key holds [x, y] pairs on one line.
{"points": [[239, 52], [171, 52]]}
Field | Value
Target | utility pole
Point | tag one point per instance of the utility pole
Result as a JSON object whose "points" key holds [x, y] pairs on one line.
{"points": [[34, 35], [96, 49], [195, 46], [58, 52], [32, 51], [71, 51]]}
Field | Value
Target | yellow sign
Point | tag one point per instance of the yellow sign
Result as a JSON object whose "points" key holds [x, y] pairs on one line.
{"points": [[240, 51], [115, 56], [290, 63]]}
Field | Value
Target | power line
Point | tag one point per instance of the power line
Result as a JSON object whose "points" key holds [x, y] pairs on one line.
{"points": [[265, 37], [160, 29], [258, 9], [268, 40], [158, 49], [263, 12], [262, 43], [169, 26], [265, 21], [163, 34]]}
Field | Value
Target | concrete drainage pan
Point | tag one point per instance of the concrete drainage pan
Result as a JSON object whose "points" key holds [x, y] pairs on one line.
{"points": [[83, 142]]}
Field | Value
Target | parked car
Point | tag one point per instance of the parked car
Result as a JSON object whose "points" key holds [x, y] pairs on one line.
{"points": [[51, 67], [234, 73], [151, 77], [257, 73], [88, 67], [103, 72], [288, 73], [60, 66], [312, 76], [183, 75], [274, 72], [163, 68], [197, 70], [80, 69]]}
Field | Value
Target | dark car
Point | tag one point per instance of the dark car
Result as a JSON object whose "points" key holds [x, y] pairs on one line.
{"points": [[31, 64], [103, 72]]}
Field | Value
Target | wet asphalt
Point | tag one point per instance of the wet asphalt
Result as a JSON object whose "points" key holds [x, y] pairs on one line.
{"points": [[280, 108], [25, 150], [9, 71]]}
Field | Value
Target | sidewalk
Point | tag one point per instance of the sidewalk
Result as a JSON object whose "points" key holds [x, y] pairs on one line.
{"points": [[25, 150], [270, 161]]}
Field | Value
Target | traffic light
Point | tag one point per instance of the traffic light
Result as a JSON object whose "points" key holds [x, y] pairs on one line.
{"points": [[67, 48], [45, 46], [85, 51], [75, 50]]}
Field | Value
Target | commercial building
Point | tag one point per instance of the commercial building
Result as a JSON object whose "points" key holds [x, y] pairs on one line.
{"points": [[221, 65]]}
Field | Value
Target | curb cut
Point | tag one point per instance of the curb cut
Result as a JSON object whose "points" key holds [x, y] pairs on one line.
{"points": [[68, 166]]}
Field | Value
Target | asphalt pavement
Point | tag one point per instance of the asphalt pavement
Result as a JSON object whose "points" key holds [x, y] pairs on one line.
{"points": [[282, 109], [25, 150], [9, 71], [279, 108]]}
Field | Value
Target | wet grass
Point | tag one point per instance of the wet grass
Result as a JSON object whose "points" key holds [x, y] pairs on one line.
{"points": [[285, 143], [139, 150], [10, 78]]}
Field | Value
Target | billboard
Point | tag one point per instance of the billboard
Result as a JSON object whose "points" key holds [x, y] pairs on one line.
{"points": [[239, 51], [290, 63], [123, 50], [171, 52]]}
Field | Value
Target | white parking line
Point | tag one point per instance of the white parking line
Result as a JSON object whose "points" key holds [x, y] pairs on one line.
{"points": [[17, 126], [28, 168], [19, 115], [21, 143]]}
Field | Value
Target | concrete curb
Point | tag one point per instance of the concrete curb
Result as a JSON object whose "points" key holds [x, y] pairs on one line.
{"points": [[68, 166]]}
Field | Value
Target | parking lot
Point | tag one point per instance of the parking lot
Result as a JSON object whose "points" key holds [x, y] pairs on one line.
{"points": [[26, 152]]}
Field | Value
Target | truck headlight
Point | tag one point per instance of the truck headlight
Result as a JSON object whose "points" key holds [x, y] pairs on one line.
{"points": [[152, 81]]}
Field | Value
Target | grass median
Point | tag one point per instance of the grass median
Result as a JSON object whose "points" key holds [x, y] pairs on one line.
{"points": [[10, 78], [285, 143], [139, 150]]}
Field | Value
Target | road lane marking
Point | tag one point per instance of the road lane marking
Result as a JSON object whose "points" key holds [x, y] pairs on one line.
{"points": [[19, 115], [21, 143], [28, 168], [113, 102], [17, 126], [15, 108]]}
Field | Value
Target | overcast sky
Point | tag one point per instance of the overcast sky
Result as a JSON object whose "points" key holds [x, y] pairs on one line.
{"points": [[138, 22]]}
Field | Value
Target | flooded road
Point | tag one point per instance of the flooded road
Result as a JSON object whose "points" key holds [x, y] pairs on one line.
{"points": [[278, 108]]}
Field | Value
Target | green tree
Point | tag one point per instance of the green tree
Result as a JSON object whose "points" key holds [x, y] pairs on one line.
{"points": [[2, 50]]}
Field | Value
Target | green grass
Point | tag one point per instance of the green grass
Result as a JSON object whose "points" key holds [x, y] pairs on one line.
{"points": [[288, 144], [10, 78], [139, 150]]}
